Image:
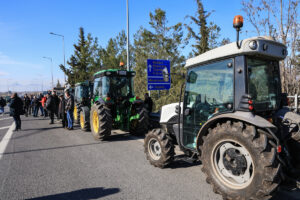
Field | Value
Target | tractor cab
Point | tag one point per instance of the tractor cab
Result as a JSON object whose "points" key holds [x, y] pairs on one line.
{"points": [[113, 85], [82, 94], [83, 91], [229, 80]]}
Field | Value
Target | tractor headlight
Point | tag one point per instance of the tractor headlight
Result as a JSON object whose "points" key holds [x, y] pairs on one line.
{"points": [[253, 45]]}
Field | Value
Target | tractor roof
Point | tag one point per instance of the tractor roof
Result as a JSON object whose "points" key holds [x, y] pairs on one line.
{"points": [[110, 70], [266, 47], [86, 83]]}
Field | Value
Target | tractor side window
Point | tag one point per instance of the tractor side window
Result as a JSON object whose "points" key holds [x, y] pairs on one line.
{"points": [[98, 87], [209, 91], [77, 93]]}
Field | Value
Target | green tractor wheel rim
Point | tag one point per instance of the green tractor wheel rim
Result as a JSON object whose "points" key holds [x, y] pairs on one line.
{"points": [[81, 121], [95, 121]]}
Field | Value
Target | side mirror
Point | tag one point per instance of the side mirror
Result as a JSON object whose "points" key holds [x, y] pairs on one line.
{"points": [[192, 77], [177, 109], [187, 111]]}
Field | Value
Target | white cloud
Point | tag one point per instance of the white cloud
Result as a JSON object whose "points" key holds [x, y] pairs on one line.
{"points": [[6, 60]]}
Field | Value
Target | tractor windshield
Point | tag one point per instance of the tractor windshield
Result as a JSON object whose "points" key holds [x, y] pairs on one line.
{"points": [[113, 86], [120, 86], [263, 83], [81, 91]]}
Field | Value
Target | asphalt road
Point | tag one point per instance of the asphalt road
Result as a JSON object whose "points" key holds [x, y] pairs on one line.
{"points": [[44, 162]]}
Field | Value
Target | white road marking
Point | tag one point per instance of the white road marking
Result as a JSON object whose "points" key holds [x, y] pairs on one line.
{"points": [[5, 118], [5, 127], [4, 142]]}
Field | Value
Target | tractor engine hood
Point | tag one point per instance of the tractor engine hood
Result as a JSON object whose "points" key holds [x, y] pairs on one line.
{"points": [[169, 111]]}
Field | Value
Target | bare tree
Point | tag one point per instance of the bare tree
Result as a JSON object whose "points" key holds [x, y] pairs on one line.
{"points": [[278, 19]]}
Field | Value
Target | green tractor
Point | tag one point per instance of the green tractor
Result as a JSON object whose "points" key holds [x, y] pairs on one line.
{"points": [[233, 119], [83, 92], [114, 105]]}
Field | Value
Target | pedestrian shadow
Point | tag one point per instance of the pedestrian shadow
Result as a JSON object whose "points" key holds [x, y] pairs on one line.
{"points": [[36, 131], [182, 161], [83, 194]]}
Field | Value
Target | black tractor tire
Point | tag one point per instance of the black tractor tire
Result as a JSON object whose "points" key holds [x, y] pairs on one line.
{"points": [[103, 119], [140, 126], [265, 176], [294, 148], [76, 113], [85, 118], [159, 148]]}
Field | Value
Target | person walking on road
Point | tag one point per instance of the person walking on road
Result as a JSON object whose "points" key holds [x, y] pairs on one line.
{"points": [[2, 105], [69, 109], [50, 106], [16, 109], [148, 102], [61, 111], [26, 105]]}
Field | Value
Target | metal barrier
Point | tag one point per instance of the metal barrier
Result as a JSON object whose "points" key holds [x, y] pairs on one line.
{"points": [[294, 104]]}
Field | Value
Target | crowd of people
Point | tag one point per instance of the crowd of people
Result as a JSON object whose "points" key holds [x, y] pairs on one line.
{"points": [[47, 106]]}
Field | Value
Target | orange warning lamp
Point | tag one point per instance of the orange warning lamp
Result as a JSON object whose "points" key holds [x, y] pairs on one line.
{"points": [[238, 24], [121, 64], [238, 21]]}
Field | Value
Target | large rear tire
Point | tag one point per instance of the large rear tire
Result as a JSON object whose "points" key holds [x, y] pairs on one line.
{"points": [[159, 148], [85, 119], [100, 121], [140, 126], [239, 162]]}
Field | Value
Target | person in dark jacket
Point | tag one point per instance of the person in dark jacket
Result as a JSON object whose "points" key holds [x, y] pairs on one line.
{"points": [[26, 104], [50, 106], [36, 106], [2, 105], [56, 101], [148, 102], [61, 111], [16, 109], [69, 109]]}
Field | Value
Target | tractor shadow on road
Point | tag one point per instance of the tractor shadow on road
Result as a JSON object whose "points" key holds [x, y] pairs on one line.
{"points": [[182, 161], [83, 194]]}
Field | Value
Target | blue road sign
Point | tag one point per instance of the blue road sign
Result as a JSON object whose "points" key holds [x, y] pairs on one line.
{"points": [[159, 74]]}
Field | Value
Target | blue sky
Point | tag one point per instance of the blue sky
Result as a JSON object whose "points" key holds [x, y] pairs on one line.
{"points": [[25, 27]]}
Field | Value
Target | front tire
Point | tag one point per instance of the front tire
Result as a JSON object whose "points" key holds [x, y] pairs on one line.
{"points": [[100, 121], [76, 113], [159, 148], [140, 126], [85, 119], [239, 162]]}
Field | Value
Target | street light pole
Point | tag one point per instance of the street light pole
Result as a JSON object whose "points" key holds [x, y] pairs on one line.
{"points": [[49, 58], [128, 62], [63, 40]]}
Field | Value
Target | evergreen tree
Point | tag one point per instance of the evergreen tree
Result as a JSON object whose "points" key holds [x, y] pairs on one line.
{"points": [[81, 61], [207, 35], [161, 42]]}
